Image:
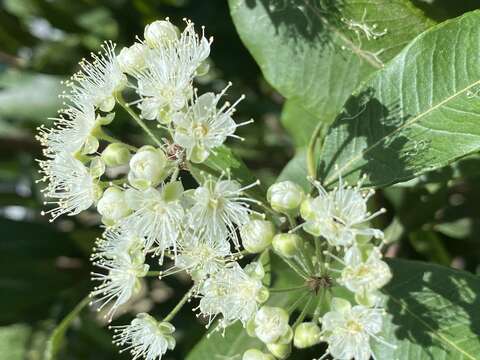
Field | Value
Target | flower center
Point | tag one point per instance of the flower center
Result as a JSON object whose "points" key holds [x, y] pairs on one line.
{"points": [[354, 326]]}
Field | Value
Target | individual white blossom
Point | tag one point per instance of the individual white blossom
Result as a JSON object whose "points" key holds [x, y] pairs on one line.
{"points": [[271, 323], [148, 167], [165, 84], [364, 276], [120, 281], [219, 208], [155, 217], [201, 257], [204, 126], [113, 205], [145, 337], [340, 215], [97, 81], [117, 241], [70, 186], [232, 293], [348, 330], [71, 132]]}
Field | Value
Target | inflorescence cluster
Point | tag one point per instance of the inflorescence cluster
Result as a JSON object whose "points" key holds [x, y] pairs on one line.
{"points": [[204, 231]]}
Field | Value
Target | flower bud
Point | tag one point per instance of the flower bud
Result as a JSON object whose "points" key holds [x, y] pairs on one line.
{"points": [[113, 206], [254, 354], [271, 323], [287, 245], [132, 58], [285, 196], [160, 32], [280, 351], [257, 235], [148, 167], [97, 167], [116, 154], [307, 334]]}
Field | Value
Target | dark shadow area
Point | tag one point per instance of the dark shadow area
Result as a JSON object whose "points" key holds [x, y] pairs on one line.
{"points": [[304, 19], [441, 10], [417, 320], [360, 118]]}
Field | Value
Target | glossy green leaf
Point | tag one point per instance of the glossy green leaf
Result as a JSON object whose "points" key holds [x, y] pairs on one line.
{"points": [[296, 170], [434, 313], [307, 51], [421, 112]]}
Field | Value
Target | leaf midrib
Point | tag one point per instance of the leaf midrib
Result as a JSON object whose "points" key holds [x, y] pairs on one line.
{"points": [[408, 123], [432, 331]]}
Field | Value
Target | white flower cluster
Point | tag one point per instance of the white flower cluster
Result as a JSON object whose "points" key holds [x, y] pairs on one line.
{"points": [[147, 212]]}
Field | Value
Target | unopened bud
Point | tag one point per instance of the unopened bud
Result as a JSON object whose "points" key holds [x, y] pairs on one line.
{"points": [[132, 58], [160, 32], [280, 351], [287, 245], [285, 196], [257, 235], [307, 334], [271, 323], [97, 167], [116, 154], [148, 167], [113, 206], [254, 354]]}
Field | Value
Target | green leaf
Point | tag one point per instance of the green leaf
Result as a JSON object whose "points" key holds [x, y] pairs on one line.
{"points": [[298, 122], [236, 340], [296, 170], [14, 341], [421, 112], [55, 341], [307, 52], [434, 313]]}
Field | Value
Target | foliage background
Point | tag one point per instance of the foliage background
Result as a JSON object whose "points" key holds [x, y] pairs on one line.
{"points": [[44, 268]]}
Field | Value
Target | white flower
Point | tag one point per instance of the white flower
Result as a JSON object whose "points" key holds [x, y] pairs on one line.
{"points": [[361, 276], [219, 207], [231, 292], [201, 257], [340, 215], [165, 84], [348, 330], [117, 242], [204, 126], [98, 80], [160, 32], [71, 132], [145, 337], [131, 59], [113, 206], [121, 280], [271, 323], [155, 217], [148, 167], [70, 186]]}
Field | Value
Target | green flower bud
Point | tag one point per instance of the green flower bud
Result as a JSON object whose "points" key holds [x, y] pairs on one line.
{"points": [[116, 154], [262, 295], [280, 351], [271, 323], [257, 235], [148, 167], [285, 196], [287, 245], [97, 167], [113, 206], [307, 334], [160, 32], [254, 354], [132, 58]]}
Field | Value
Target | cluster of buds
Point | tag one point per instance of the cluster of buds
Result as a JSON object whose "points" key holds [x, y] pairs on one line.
{"points": [[204, 231]]}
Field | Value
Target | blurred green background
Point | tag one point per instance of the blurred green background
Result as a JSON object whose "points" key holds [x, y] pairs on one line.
{"points": [[44, 268]]}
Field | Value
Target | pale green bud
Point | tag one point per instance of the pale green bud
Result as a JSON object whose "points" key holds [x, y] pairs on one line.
{"points": [[271, 323], [132, 58], [307, 334], [113, 205], [287, 245], [148, 167], [254, 354], [159, 32], [280, 351], [257, 235], [285, 196], [116, 154], [97, 167], [262, 295]]}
